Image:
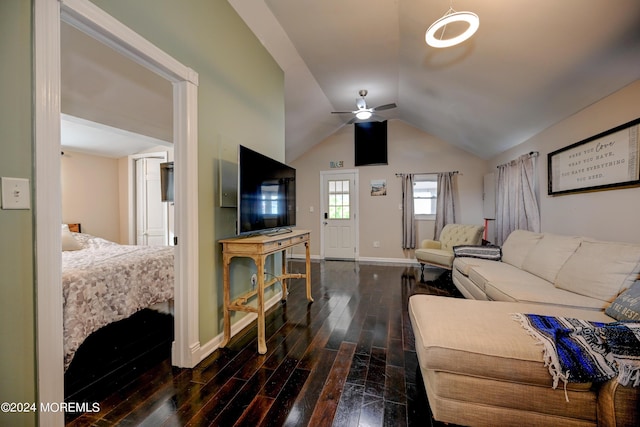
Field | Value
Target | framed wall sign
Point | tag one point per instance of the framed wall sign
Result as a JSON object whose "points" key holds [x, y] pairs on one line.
{"points": [[605, 161]]}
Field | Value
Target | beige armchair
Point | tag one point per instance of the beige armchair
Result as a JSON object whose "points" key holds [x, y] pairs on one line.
{"points": [[440, 252]]}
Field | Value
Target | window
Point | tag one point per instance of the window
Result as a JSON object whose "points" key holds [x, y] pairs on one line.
{"points": [[339, 199], [269, 200], [425, 194]]}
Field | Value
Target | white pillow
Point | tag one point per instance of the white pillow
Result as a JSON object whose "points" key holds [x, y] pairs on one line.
{"points": [[69, 243]]}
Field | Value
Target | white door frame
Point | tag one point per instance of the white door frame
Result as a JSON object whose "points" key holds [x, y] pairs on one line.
{"points": [[87, 17], [354, 201]]}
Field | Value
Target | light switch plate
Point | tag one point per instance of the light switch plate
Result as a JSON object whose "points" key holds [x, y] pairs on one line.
{"points": [[15, 193]]}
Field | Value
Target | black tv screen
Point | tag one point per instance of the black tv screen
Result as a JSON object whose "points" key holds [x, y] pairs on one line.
{"points": [[370, 143], [266, 193]]}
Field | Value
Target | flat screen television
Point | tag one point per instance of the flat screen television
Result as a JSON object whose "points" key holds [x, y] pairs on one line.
{"points": [[266, 193], [370, 143]]}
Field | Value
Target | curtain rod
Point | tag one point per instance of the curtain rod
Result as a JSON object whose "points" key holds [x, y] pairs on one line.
{"points": [[530, 154], [426, 173]]}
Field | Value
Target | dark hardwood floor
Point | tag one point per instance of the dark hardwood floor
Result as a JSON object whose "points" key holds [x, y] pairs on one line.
{"points": [[347, 359]]}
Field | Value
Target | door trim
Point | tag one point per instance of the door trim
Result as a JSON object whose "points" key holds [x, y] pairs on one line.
{"points": [[47, 191], [356, 201]]}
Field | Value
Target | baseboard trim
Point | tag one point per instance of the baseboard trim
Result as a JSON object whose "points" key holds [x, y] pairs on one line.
{"points": [[376, 260], [303, 256], [213, 344], [372, 260]]}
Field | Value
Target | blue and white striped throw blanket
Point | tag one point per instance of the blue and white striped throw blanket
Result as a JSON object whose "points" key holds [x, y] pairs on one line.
{"points": [[581, 351]]}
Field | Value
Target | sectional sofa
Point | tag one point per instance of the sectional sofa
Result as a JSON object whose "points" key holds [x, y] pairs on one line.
{"points": [[481, 367]]}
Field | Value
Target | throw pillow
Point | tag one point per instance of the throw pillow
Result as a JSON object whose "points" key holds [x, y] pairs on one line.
{"points": [[627, 305], [489, 252], [69, 243]]}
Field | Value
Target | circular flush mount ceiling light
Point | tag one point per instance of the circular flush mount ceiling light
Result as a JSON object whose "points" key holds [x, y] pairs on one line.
{"points": [[451, 17]]}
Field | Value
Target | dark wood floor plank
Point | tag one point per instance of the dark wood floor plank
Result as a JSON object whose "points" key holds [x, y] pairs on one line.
{"points": [[359, 369], [348, 411], [395, 414], [395, 353], [372, 410], [255, 412], [347, 359], [242, 400], [308, 396], [327, 404], [205, 407], [281, 413]]}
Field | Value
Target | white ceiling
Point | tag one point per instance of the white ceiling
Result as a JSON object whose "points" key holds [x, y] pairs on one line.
{"points": [[85, 136], [531, 64]]}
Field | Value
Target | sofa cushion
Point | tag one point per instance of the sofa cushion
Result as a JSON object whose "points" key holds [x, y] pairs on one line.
{"points": [[500, 272], [600, 269], [547, 257], [465, 264], [480, 338], [627, 305], [518, 245], [541, 292]]}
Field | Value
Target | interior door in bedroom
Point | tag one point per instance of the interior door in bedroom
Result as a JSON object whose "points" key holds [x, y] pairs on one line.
{"points": [[151, 212]]}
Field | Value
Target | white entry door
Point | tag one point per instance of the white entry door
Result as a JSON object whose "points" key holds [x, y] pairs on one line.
{"points": [[339, 214], [151, 211]]}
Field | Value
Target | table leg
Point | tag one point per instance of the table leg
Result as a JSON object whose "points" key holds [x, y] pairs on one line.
{"points": [[262, 345], [226, 260], [308, 271], [285, 292]]}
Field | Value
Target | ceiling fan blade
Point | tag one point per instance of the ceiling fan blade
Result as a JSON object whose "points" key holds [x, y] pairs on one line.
{"points": [[385, 107], [342, 112]]}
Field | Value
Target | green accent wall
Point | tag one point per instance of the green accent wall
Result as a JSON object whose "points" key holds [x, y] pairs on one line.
{"points": [[240, 101], [17, 304]]}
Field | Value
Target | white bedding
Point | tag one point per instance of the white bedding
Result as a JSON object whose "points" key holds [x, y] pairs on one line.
{"points": [[105, 282]]}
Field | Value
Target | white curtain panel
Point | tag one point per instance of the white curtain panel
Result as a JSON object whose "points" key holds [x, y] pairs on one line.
{"points": [[445, 204], [408, 217], [517, 205]]}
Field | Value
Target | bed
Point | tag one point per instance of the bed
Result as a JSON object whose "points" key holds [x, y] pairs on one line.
{"points": [[104, 282]]}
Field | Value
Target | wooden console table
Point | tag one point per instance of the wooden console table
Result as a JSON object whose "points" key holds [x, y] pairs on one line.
{"points": [[258, 248]]}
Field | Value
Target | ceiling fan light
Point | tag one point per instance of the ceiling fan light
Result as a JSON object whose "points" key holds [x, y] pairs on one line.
{"points": [[467, 17], [363, 115]]}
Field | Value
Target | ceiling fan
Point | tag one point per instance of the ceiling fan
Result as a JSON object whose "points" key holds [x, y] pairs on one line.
{"points": [[363, 113]]}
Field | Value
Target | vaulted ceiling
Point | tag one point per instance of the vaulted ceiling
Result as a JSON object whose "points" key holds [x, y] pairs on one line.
{"points": [[531, 64]]}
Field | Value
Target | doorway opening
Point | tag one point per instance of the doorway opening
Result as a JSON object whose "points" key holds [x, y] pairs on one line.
{"points": [[92, 20]]}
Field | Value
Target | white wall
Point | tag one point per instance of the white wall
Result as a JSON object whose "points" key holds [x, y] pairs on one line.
{"points": [[90, 194], [605, 215], [127, 196], [410, 150]]}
